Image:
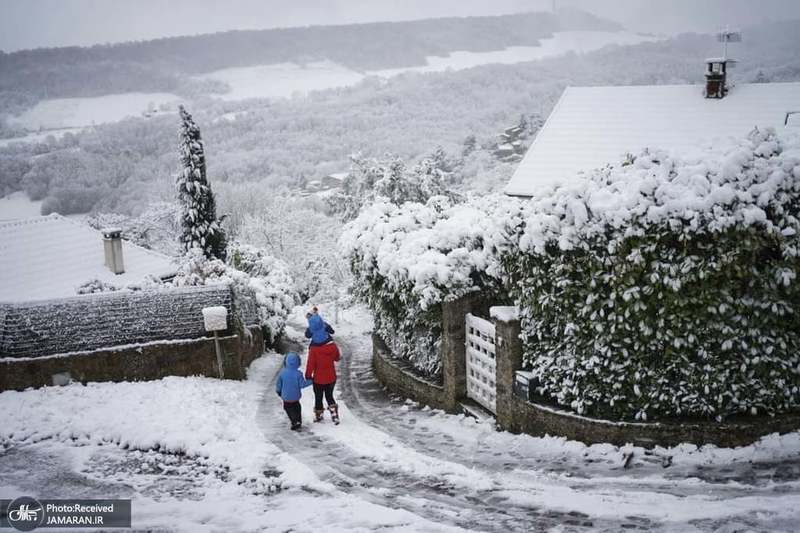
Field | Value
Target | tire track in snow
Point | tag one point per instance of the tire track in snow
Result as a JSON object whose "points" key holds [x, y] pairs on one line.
{"points": [[727, 484], [432, 495], [520, 479], [367, 396]]}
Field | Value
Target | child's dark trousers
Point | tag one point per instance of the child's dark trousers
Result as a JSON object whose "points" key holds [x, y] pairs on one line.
{"points": [[294, 411]]}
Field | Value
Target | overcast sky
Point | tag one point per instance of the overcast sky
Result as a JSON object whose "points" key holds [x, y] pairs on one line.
{"points": [[36, 23]]}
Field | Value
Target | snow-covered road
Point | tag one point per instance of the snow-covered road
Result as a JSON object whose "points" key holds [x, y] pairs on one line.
{"points": [[456, 470], [198, 454]]}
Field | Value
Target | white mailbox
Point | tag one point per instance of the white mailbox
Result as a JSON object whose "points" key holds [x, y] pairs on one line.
{"points": [[215, 320]]}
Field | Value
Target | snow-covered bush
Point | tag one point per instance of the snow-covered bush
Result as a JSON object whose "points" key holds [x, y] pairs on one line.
{"points": [[272, 282], [95, 286], [252, 274], [668, 285], [406, 260], [663, 286], [390, 180]]}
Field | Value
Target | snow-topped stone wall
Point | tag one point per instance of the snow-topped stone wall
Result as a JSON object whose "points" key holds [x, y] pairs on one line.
{"points": [[91, 322]]}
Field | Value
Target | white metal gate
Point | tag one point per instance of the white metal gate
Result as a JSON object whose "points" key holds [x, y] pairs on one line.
{"points": [[481, 364]]}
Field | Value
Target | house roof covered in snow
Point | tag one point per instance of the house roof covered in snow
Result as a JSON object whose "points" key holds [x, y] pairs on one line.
{"points": [[592, 126], [49, 257]]}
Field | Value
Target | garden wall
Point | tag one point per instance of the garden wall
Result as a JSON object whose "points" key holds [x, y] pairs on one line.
{"points": [[400, 377], [152, 360], [518, 414], [536, 419], [90, 322]]}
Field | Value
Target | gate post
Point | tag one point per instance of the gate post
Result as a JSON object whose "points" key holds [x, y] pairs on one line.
{"points": [[454, 338], [508, 354]]}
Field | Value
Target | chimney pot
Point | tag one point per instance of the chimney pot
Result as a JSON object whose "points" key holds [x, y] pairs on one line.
{"points": [[112, 245]]}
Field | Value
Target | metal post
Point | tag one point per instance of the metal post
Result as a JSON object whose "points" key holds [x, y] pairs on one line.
{"points": [[219, 354]]}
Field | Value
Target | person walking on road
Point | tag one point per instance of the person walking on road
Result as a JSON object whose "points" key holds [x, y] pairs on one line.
{"points": [[289, 387], [323, 353]]}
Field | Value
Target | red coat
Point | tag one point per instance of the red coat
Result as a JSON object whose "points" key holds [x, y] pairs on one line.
{"points": [[320, 365]]}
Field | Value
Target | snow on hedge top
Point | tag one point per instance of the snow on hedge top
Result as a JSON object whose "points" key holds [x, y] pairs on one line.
{"points": [[591, 126], [730, 184], [440, 250], [434, 249], [49, 257]]}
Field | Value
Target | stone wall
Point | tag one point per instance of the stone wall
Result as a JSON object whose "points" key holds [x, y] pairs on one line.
{"points": [[153, 360], [399, 376], [535, 419], [520, 415], [39, 329]]}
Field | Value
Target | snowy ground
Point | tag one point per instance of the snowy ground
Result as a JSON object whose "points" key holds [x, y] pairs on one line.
{"points": [[282, 80], [60, 113], [198, 454], [18, 205]]}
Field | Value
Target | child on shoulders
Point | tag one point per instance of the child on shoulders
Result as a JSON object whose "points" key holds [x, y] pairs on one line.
{"points": [[318, 330]]}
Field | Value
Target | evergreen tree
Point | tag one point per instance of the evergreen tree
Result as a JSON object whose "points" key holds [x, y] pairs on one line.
{"points": [[198, 213]]}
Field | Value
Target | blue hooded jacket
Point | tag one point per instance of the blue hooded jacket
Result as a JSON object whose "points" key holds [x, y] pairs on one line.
{"points": [[318, 330], [291, 380]]}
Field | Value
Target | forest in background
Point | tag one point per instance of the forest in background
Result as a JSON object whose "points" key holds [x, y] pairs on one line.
{"points": [[166, 65]]}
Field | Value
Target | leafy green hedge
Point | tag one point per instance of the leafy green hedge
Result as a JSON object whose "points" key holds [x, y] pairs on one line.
{"points": [[668, 287], [664, 286]]}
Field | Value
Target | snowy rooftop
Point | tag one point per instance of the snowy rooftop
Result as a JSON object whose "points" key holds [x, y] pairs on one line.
{"points": [[48, 257], [592, 126]]}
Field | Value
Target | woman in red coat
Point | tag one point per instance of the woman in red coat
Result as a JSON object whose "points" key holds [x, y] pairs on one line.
{"points": [[321, 367]]}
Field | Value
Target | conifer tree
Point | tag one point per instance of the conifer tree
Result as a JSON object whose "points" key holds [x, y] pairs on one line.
{"points": [[200, 227]]}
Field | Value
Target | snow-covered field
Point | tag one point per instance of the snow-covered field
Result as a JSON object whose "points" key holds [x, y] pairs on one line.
{"points": [[18, 205], [563, 42], [283, 79], [62, 113], [199, 454], [288, 79]]}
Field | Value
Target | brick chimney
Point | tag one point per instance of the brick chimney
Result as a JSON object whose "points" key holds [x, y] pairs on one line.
{"points": [[112, 244]]}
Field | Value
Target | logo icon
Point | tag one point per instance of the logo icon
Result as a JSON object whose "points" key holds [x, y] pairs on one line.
{"points": [[25, 514]]}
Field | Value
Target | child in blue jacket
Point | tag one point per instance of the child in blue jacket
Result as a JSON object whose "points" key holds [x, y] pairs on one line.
{"points": [[289, 387], [318, 330]]}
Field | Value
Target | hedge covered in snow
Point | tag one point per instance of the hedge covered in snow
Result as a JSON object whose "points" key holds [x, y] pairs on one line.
{"points": [[668, 285], [406, 260], [663, 286], [253, 274]]}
